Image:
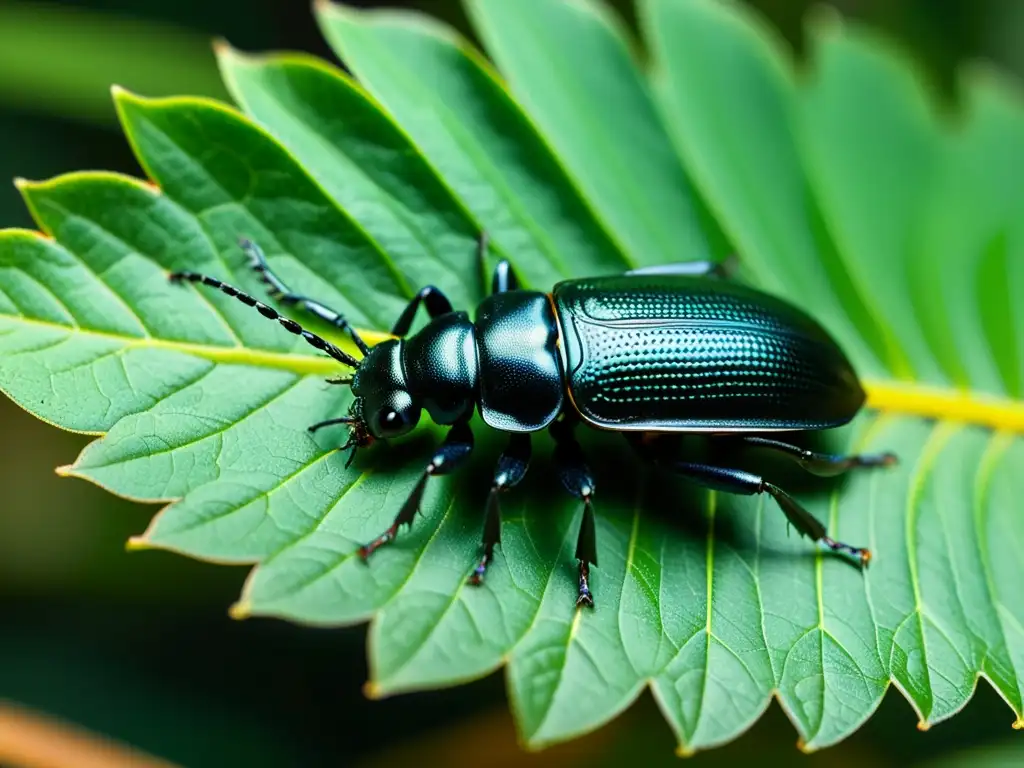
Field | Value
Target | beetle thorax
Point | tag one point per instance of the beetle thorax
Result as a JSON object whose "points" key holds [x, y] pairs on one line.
{"points": [[441, 368]]}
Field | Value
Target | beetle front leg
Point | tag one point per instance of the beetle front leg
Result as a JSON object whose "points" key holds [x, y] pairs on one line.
{"points": [[432, 298], [748, 484], [512, 466], [278, 290], [576, 477], [821, 464], [453, 452]]}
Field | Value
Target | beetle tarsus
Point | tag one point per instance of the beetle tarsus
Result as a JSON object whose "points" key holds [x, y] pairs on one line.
{"points": [[476, 579], [452, 453], [585, 598], [821, 464], [492, 536], [887, 459], [862, 554], [577, 479], [385, 538], [511, 469]]}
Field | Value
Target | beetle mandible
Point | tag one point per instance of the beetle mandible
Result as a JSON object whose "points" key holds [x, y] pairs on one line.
{"points": [[650, 353]]}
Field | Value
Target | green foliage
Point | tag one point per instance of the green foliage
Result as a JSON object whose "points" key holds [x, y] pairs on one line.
{"points": [[53, 55], [842, 190]]}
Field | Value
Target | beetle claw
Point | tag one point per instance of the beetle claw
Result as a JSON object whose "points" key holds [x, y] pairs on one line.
{"points": [[862, 554], [477, 577], [584, 598], [368, 549]]}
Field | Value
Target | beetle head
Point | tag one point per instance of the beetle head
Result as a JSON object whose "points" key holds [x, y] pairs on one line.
{"points": [[383, 406]]}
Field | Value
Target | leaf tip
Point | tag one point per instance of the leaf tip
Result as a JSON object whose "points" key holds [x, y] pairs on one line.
{"points": [[122, 95], [21, 183], [240, 610], [682, 750], [923, 725], [137, 544], [1018, 724], [825, 20], [221, 47], [337, 10], [372, 690], [65, 470]]}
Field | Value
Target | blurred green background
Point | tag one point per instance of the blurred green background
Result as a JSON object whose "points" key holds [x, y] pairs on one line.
{"points": [[139, 647]]}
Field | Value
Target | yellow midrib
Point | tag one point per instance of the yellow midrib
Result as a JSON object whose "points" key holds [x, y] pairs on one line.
{"points": [[232, 355], [951, 405], [966, 407]]}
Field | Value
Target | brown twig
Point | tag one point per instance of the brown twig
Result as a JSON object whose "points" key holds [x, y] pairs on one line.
{"points": [[33, 740]]}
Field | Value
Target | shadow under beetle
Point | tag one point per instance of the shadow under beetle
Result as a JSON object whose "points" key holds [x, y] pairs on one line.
{"points": [[655, 351]]}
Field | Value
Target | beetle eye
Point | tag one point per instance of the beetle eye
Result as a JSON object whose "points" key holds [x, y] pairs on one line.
{"points": [[391, 421]]}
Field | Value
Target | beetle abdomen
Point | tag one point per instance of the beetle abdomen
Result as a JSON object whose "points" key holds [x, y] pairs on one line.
{"points": [[679, 353]]}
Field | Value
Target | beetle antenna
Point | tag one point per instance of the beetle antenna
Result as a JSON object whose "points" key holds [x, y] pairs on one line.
{"points": [[317, 342]]}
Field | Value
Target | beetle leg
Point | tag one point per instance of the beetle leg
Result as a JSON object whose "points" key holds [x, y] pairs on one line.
{"points": [[746, 483], [281, 292], [821, 464], [512, 466], [575, 476], [504, 279], [724, 269], [432, 298], [456, 448]]}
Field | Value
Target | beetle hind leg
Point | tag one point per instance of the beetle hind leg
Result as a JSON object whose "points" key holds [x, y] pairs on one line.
{"points": [[577, 479], [738, 481], [808, 525], [821, 464]]}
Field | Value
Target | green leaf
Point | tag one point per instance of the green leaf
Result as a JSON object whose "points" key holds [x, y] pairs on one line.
{"points": [[728, 94], [566, 62], [841, 191], [467, 125], [59, 59], [870, 192], [365, 163]]}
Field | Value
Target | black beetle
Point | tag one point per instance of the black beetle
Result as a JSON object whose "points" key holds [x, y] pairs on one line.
{"points": [[653, 352]]}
